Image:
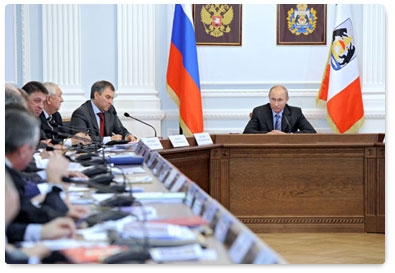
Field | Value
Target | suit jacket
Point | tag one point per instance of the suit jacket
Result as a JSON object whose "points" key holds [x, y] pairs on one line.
{"points": [[293, 121], [46, 127], [16, 257], [52, 207], [85, 119]]}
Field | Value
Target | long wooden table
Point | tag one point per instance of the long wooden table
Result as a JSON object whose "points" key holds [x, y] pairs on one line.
{"points": [[292, 183], [226, 238]]}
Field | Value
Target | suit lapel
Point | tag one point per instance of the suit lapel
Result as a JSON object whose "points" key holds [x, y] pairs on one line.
{"points": [[286, 117], [93, 117], [269, 120]]}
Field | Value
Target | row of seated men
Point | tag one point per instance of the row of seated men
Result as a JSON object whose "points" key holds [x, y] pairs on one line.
{"points": [[36, 202]]}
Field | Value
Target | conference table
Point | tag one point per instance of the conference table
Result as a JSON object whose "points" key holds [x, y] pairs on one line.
{"points": [[157, 184], [293, 182]]}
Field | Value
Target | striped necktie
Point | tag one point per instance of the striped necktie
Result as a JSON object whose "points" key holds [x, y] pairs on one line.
{"points": [[277, 125]]}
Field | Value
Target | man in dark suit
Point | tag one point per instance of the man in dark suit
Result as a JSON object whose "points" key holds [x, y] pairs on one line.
{"points": [[98, 116], [37, 93], [277, 117], [51, 119], [21, 138], [37, 252]]}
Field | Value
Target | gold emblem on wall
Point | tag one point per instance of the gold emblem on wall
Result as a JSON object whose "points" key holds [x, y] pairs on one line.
{"points": [[302, 20], [217, 24], [301, 24], [216, 19]]}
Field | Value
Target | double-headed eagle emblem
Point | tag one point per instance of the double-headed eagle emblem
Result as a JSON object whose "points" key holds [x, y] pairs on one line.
{"points": [[216, 19]]}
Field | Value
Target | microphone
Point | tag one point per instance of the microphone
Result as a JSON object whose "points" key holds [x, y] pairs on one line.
{"points": [[126, 114], [57, 133], [102, 187], [77, 129], [289, 126]]}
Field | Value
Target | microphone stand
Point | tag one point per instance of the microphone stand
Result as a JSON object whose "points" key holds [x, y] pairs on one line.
{"points": [[126, 114], [289, 126]]}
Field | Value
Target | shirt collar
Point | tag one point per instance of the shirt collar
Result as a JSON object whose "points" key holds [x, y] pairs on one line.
{"points": [[45, 114], [95, 109], [281, 113]]}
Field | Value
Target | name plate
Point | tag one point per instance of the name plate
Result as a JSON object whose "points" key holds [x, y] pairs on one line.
{"points": [[190, 195], [151, 159], [163, 172], [240, 247], [198, 205], [170, 178], [178, 141], [222, 227], [210, 212], [152, 142], [181, 180], [157, 167], [203, 139], [266, 256]]}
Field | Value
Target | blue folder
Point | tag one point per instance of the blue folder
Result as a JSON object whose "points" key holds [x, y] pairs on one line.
{"points": [[125, 160]]}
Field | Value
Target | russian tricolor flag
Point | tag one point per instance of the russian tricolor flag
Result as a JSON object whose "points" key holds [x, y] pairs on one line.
{"points": [[183, 83], [341, 87]]}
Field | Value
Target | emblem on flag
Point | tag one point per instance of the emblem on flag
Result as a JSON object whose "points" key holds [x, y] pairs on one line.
{"points": [[343, 49]]}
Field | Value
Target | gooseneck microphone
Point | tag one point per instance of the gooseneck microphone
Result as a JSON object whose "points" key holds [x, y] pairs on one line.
{"points": [[289, 126], [75, 129], [56, 133], [126, 114]]}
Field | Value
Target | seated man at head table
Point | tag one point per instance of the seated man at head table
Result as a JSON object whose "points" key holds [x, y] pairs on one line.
{"points": [[277, 117], [98, 116]]}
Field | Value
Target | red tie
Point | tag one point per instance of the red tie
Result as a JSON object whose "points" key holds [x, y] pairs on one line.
{"points": [[101, 116]]}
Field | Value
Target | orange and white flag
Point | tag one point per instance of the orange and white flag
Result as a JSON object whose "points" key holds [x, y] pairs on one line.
{"points": [[341, 87]]}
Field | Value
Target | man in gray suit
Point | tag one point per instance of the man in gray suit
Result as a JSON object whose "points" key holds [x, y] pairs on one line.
{"points": [[98, 116], [277, 117]]}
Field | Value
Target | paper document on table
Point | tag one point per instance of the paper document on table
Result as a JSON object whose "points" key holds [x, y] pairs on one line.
{"points": [[57, 244], [160, 197], [127, 170], [176, 253], [135, 179], [143, 213], [157, 231], [101, 196]]}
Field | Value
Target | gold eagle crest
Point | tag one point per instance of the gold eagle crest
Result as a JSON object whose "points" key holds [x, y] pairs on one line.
{"points": [[216, 19]]}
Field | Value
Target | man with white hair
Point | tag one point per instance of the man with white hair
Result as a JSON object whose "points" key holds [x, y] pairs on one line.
{"points": [[52, 122]]}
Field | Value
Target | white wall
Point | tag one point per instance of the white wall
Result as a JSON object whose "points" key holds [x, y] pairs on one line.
{"points": [[76, 45]]}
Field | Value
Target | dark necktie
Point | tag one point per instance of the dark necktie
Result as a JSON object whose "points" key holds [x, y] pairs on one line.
{"points": [[50, 122], [101, 116], [277, 125]]}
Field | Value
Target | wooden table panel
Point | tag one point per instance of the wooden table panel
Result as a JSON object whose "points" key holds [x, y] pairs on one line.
{"points": [[293, 183]]}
